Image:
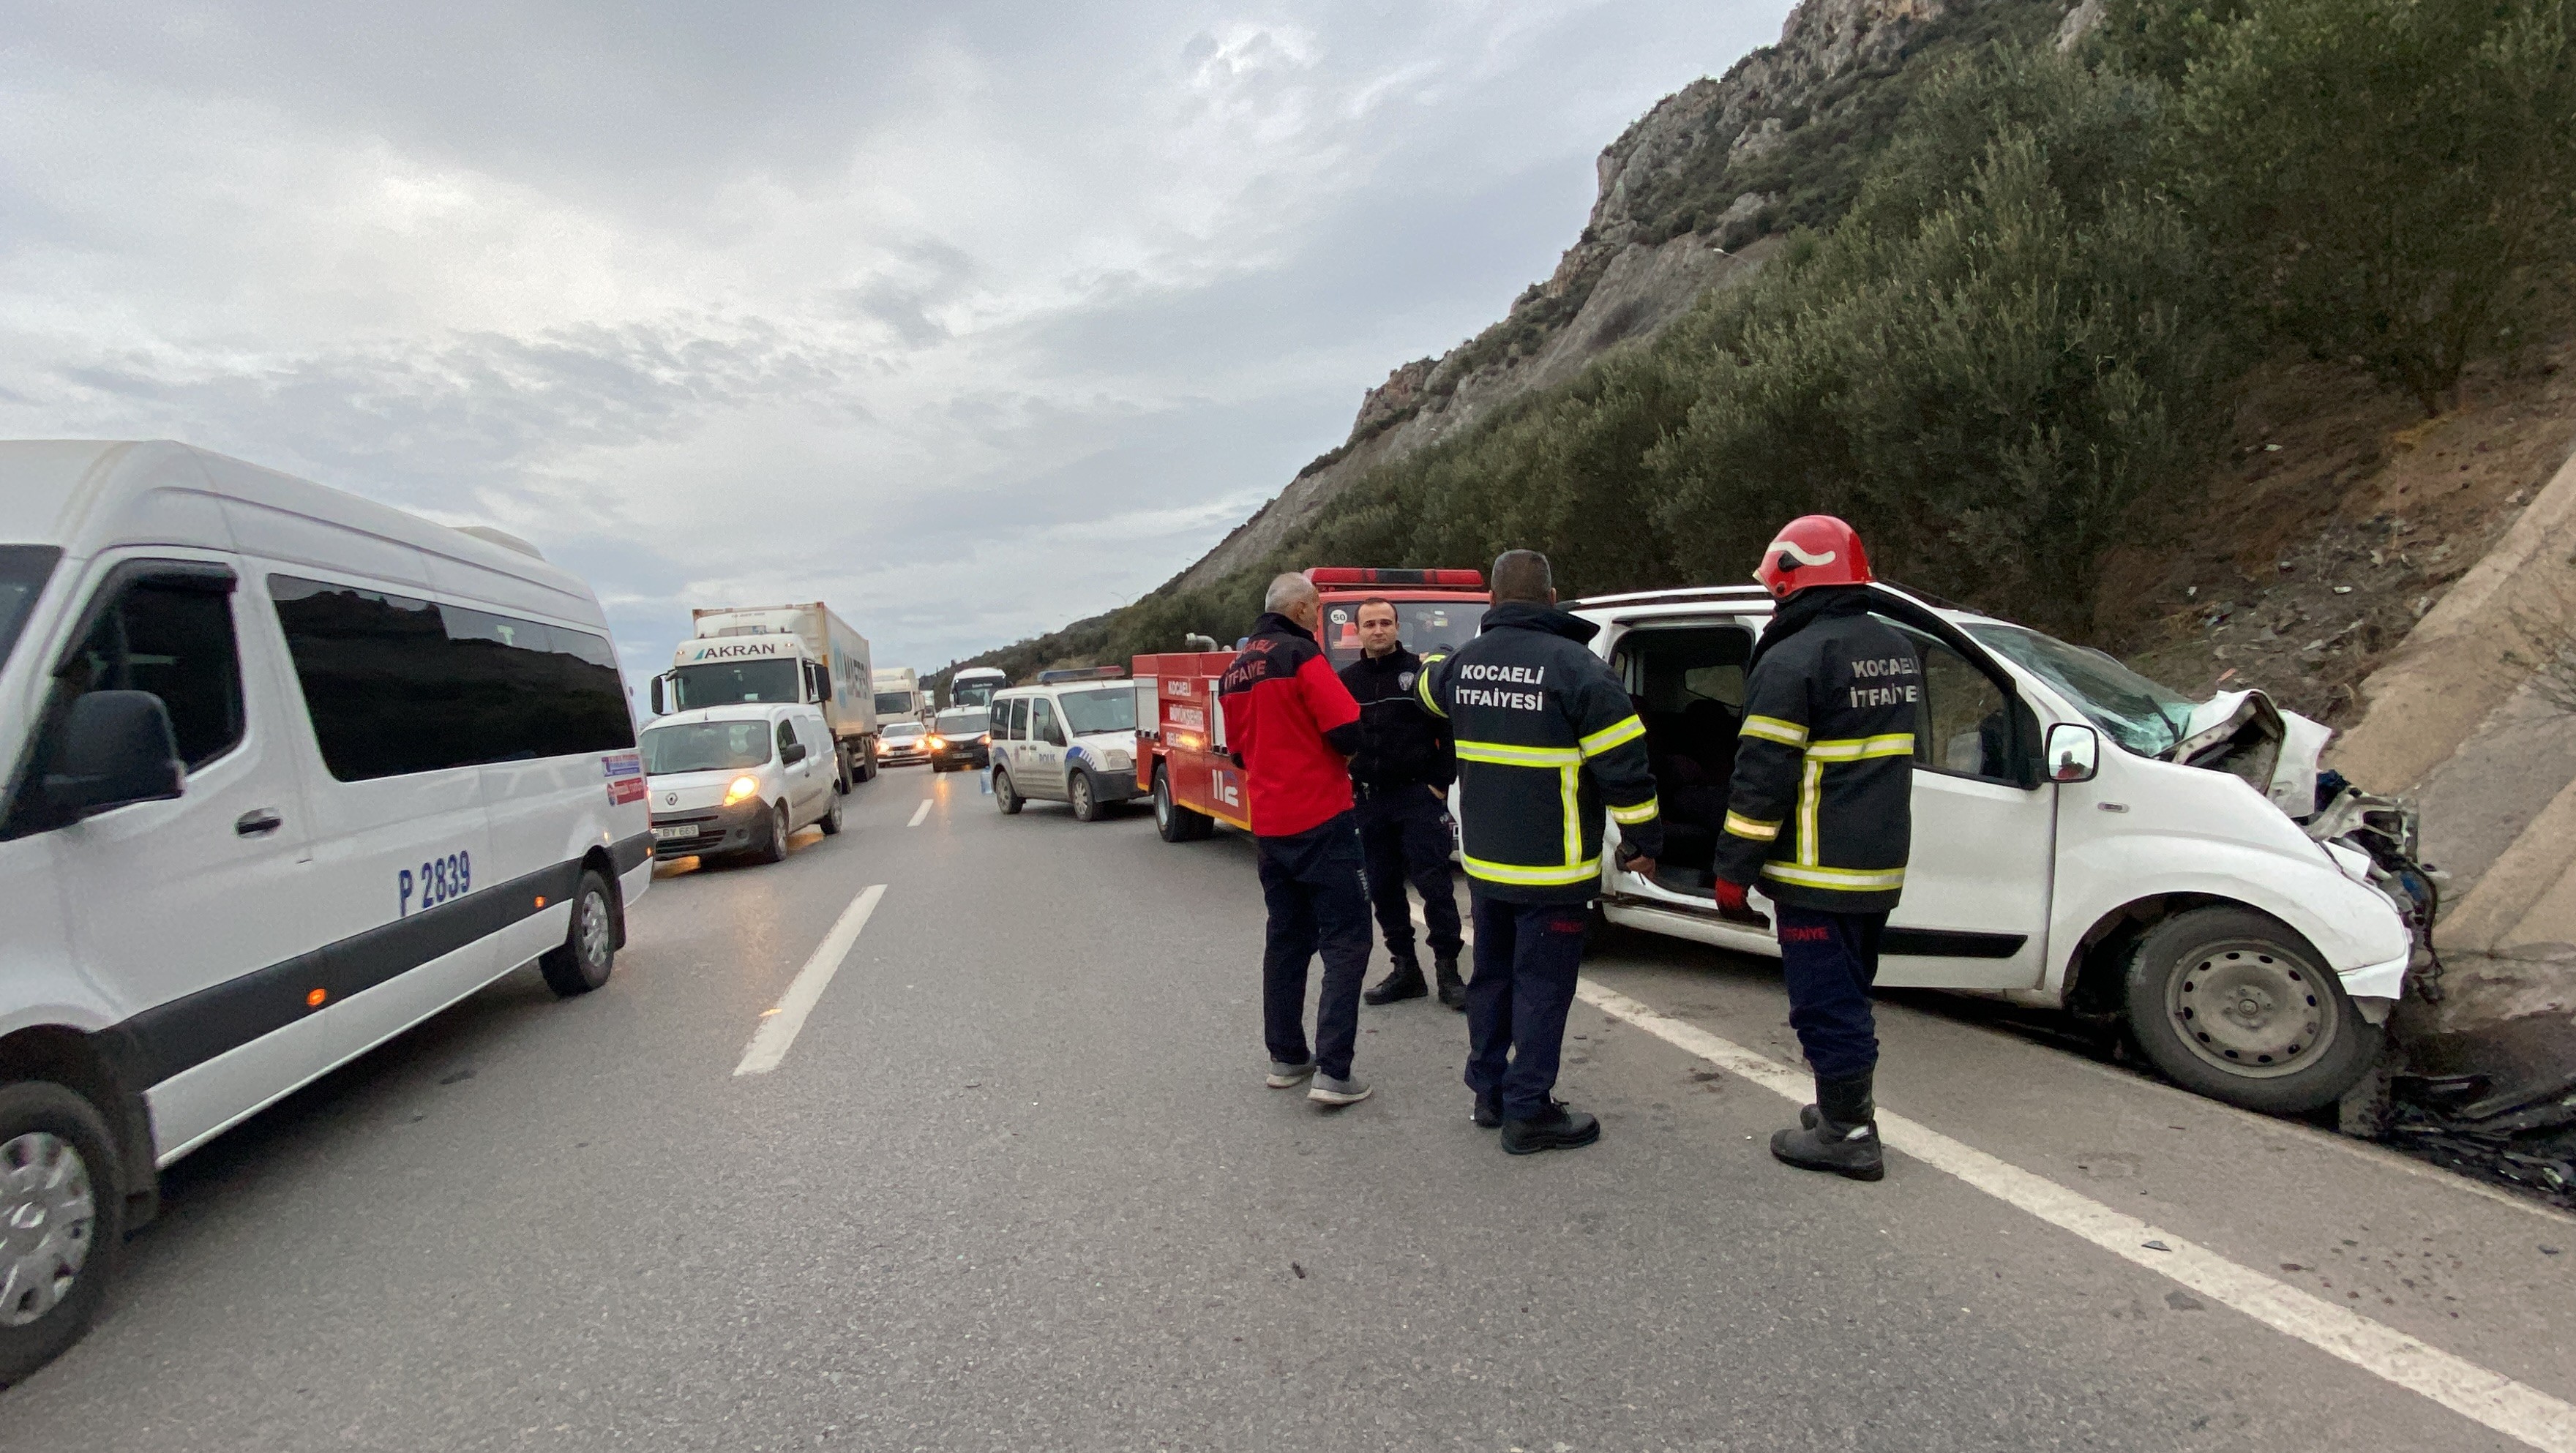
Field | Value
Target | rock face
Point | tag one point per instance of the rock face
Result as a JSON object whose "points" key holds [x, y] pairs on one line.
{"points": [[1656, 240]]}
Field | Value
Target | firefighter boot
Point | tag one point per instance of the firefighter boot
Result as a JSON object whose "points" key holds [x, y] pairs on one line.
{"points": [[1404, 981], [1453, 990], [1843, 1137]]}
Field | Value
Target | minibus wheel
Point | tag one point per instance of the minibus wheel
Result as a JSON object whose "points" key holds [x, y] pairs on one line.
{"points": [[1005, 796], [2235, 1005], [589, 950], [62, 1222]]}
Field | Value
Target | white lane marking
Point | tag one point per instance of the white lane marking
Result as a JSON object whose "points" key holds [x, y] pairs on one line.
{"points": [[2514, 1409], [920, 812], [778, 1026]]}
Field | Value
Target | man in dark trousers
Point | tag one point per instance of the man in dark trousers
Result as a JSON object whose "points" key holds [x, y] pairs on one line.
{"points": [[1820, 811], [1291, 725], [1546, 740], [1401, 776]]}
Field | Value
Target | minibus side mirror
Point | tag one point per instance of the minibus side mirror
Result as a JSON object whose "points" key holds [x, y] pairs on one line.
{"points": [[2074, 752], [116, 749], [658, 708]]}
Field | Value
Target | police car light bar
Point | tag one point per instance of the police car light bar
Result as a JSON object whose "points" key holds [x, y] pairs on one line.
{"points": [[1369, 575], [1081, 673]]}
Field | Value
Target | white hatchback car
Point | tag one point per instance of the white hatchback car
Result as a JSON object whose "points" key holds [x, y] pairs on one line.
{"points": [[2083, 839], [738, 781]]}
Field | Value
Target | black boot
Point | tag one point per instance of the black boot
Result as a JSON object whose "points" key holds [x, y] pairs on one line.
{"points": [[1404, 981], [1843, 1138], [1555, 1128], [1453, 990], [1488, 1113]]}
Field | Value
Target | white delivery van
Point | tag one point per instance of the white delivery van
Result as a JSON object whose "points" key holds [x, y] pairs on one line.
{"points": [[739, 781], [1070, 739], [288, 772], [2083, 838]]}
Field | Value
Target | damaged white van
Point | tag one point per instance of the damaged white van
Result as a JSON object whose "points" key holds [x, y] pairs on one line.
{"points": [[2083, 838]]}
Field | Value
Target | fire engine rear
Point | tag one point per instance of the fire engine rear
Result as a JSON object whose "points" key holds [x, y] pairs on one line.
{"points": [[1181, 756]]}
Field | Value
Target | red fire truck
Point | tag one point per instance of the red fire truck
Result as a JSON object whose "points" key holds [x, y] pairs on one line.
{"points": [[1180, 728]]}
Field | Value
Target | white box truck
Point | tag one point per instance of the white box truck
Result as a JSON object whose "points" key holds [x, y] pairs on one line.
{"points": [[899, 695], [780, 653]]}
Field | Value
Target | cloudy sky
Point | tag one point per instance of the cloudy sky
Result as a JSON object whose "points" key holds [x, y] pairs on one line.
{"points": [[969, 319]]}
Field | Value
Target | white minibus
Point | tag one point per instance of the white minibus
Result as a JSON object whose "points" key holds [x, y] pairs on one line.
{"points": [[288, 772]]}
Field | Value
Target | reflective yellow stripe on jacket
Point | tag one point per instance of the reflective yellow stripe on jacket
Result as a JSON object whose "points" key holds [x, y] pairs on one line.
{"points": [[1745, 827], [1618, 733], [1547, 877], [1855, 749], [1852, 880], [1630, 816], [1773, 729]]}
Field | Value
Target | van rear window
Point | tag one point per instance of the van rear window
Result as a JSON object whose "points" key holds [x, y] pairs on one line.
{"points": [[396, 685]]}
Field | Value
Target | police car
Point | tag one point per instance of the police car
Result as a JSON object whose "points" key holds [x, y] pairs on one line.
{"points": [[288, 772], [1071, 738]]}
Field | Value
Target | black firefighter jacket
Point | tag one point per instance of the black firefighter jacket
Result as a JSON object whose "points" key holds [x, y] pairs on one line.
{"points": [[1546, 739], [1821, 807], [1401, 745]]}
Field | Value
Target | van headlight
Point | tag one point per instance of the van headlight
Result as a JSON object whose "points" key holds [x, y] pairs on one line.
{"points": [[1117, 761], [741, 789]]}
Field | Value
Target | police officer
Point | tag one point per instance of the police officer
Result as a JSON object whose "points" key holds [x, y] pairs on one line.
{"points": [[1546, 738], [1819, 811], [1401, 776]]}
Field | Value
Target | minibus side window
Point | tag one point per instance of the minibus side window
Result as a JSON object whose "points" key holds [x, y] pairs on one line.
{"points": [[395, 685]]}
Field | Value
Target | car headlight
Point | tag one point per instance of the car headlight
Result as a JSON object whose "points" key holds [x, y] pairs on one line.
{"points": [[984, 739], [935, 743], [742, 789], [1118, 761]]}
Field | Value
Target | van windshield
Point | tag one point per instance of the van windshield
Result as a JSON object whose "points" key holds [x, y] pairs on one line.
{"points": [[23, 571], [2141, 715], [963, 723], [706, 746], [729, 683], [1110, 709]]}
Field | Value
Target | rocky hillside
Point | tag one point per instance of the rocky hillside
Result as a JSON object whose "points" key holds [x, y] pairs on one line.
{"points": [[1693, 194]]}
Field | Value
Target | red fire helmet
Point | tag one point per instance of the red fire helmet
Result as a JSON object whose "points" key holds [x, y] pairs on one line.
{"points": [[1812, 550]]}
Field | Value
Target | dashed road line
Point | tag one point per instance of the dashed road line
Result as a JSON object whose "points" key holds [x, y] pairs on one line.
{"points": [[921, 812], [778, 1026]]}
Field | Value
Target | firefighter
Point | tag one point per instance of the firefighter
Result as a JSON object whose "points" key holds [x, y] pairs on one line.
{"points": [[1401, 776], [1292, 726], [1546, 738], [1819, 813]]}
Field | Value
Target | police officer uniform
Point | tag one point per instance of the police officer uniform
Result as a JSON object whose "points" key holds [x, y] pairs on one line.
{"points": [[1819, 812], [1400, 776], [1546, 740]]}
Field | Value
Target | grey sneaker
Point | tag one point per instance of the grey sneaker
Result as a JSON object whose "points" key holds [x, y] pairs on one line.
{"points": [[1329, 1091], [1285, 1076]]}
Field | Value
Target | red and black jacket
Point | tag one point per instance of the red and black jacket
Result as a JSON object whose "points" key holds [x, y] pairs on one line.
{"points": [[1293, 726]]}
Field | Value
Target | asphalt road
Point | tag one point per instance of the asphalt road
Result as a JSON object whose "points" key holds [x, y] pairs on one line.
{"points": [[1016, 1184]]}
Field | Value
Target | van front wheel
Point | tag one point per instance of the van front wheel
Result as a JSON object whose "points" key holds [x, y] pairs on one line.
{"points": [[2230, 1003], [62, 1222], [589, 950]]}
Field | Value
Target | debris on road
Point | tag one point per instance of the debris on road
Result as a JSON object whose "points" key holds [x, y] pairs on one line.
{"points": [[2521, 1138]]}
